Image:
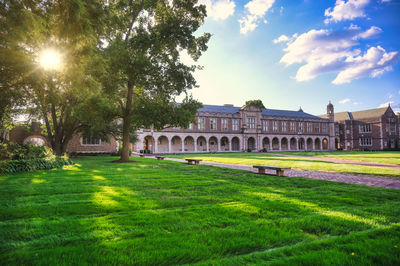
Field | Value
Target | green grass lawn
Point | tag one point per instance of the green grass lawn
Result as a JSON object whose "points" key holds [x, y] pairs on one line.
{"points": [[302, 163], [385, 157], [164, 212]]}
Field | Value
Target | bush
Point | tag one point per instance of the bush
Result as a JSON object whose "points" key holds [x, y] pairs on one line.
{"points": [[17, 166], [14, 151]]}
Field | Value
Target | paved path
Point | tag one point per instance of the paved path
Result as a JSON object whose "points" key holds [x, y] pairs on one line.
{"points": [[375, 181], [342, 161]]}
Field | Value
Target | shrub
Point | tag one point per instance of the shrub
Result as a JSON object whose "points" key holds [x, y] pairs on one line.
{"points": [[23, 165], [14, 151]]}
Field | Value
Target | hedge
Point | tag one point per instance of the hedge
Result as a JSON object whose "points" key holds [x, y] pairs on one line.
{"points": [[17, 166]]}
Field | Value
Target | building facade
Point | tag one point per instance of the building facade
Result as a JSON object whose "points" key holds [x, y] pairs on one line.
{"points": [[228, 129], [374, 129]]}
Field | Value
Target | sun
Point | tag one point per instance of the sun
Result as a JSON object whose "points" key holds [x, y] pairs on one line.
{"points": [[50, 59]]}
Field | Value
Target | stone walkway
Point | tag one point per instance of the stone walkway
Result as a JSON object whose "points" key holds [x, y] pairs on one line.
{"points": [[375, 181], [337, 160]]}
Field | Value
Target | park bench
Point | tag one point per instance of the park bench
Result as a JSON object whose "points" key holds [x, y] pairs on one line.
{"points": [[193, 161], [141, 155], [279, 170], [160, 157]]}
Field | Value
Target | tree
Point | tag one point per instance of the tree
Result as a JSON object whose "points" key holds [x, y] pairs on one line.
{"points": [[142, 48], [257, 103], [55, 97]]}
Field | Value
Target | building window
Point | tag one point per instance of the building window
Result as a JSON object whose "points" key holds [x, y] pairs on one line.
{"points": [[365, 142], [213, 123], [265, 125], [309, 127], [392, 128], [224, 124], [284, 126], [275, 126], [301, 126], [200, 123], [292, 126], [251, 121], [191, 126], [89, 139], [365, 128], [316, 128], [235, 124], [324, 128]]}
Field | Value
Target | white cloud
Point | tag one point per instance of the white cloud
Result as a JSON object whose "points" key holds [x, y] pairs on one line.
{"points": [[347, 100], [219, 10], [346, 10], [385, 104], [255, 12], [325, 51], [390, 96], [282, 38]]}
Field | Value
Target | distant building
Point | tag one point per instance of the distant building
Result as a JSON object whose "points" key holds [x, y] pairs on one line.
{"points": [[374, 129], [229, 128]]}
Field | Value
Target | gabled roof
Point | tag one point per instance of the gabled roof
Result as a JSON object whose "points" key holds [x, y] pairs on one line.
{"points": [[359, 115], [266, 112]]}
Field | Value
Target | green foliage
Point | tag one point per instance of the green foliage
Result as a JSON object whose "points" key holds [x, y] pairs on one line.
{"points": [[168, 213], [14, 151], [257, 103], [27, 165]]}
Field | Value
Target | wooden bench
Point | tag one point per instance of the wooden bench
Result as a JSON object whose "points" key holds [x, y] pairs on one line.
{"points": [[193, 161], [279, 170], [160, 157], [141, 155]]}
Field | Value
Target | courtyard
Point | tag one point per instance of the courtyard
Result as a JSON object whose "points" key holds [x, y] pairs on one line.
{"points": [[166, 212]]}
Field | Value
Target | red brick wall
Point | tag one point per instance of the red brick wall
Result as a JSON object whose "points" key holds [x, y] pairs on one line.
{"points": [[75, 145]]}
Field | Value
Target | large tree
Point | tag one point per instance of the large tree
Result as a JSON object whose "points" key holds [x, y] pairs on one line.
{"points": [[142, 47], [72, 27]]}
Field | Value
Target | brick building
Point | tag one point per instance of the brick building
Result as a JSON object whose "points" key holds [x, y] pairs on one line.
{"points": [[229, 128], [374, 129]]}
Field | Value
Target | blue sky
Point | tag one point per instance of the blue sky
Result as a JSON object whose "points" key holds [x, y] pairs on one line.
{"points": [[301, 53]]}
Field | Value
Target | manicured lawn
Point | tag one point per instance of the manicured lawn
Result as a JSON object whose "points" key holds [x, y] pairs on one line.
{"points": [[302, 163], [385, 157], [163, 212]]}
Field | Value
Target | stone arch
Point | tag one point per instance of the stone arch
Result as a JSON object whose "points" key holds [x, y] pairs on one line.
{"points": [[213, 144], [224, 144], [317, 144], [293, 144], [37, 140], [148, 144], [301, 144], [266, 143], [324, 144], [188, 144], [176, 144], [201, 143], [309, 144], [284, 144], [275, 144], [251, 143], [235, 142], [162, 144]]}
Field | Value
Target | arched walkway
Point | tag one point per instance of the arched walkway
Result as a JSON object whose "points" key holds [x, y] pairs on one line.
{"points": [[213, 144], [235, 144], [293, 144], [251, 144], [309, 144], [275, 144], [36, 140], [325, 144], [224, 144], [201, 144], [284, 144], [317, 144], [301, 144], [148, 144], [188, 144], [162, 144], [266, 143], [176, 144]]}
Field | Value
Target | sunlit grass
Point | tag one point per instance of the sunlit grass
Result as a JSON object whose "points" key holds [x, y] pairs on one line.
{"points": [[162, 212], [302, 163]]}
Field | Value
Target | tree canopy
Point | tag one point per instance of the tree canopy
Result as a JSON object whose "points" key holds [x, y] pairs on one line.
{"points": [[257, 103]]}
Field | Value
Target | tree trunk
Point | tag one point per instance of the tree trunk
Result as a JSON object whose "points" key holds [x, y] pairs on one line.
{"points": [[126, 144]]}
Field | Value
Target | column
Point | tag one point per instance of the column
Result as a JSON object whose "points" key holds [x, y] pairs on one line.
{"points": [[183, 145], [155, 145], [219, 145], [230, 144], [195, 144], [169, 145], [207, 150], [280, 144]]}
